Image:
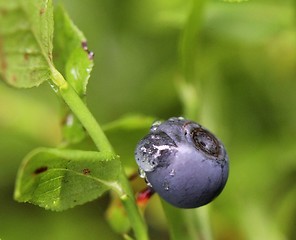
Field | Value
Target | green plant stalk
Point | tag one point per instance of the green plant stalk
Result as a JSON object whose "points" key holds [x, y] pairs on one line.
{"points": [[188, 43], [178, 226], [188, 224], [198, 223], [128, 201], [80, 110], [202, 215]]}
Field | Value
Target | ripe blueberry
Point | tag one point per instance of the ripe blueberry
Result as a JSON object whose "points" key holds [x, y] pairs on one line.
{"points": [[183, 162]]}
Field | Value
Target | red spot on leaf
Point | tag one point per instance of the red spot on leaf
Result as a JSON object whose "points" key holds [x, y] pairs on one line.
{"points": [[3, 12], [26, 56], [3, 63], [42, 11], [86, 171], [40, 170], [13, 79]]}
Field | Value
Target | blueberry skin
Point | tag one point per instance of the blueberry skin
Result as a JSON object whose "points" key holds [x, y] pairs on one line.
{"points": [[183, 162]]}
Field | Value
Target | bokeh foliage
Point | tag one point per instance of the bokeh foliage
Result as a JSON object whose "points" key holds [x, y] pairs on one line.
{"points": [[240, 58]]}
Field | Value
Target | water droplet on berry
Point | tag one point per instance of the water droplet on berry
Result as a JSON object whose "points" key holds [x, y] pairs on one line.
{"points": [[149, 184], [166, 185], [172, 173], [142, 173], [154, 126]]}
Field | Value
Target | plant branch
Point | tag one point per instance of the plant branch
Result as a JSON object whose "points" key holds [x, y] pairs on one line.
{"points": [[80, 110], [204, 222], [136, 220], [85, 117], [177, 224]]}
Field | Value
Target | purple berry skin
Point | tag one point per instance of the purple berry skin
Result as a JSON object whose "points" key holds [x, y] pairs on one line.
{"points": [[183, 162]]}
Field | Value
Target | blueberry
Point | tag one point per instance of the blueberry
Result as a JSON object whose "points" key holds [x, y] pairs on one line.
{"points": [[183, 162]]}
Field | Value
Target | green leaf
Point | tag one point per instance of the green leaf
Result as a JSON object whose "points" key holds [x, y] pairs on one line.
{"points": [[26, 32], [73, 59], [60, 179], [71, 55], [130, 122]]}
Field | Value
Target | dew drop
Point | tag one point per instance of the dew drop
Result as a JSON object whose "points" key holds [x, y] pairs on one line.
{"points": [[148, 183], [53, 86], [148, 157], [147, 164], [70, 120], [142, 173], [154, 126], [166, 185], [174, 119], [172, 173], [75, 73], [143, 149]]}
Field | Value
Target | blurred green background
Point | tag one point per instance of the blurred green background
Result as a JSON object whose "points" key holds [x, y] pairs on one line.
{"points": [[240, 58]]}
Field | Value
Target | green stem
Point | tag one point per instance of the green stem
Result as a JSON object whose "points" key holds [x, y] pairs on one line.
{"points": [[202, 215], [188, 40], [128, 201], [177, 224], [80, 110], [85, 117], [199, 224], [188, 224]]}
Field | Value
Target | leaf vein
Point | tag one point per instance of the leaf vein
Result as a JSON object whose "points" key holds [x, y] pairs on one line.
{"points": [[49, 191], [50, 180]]}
